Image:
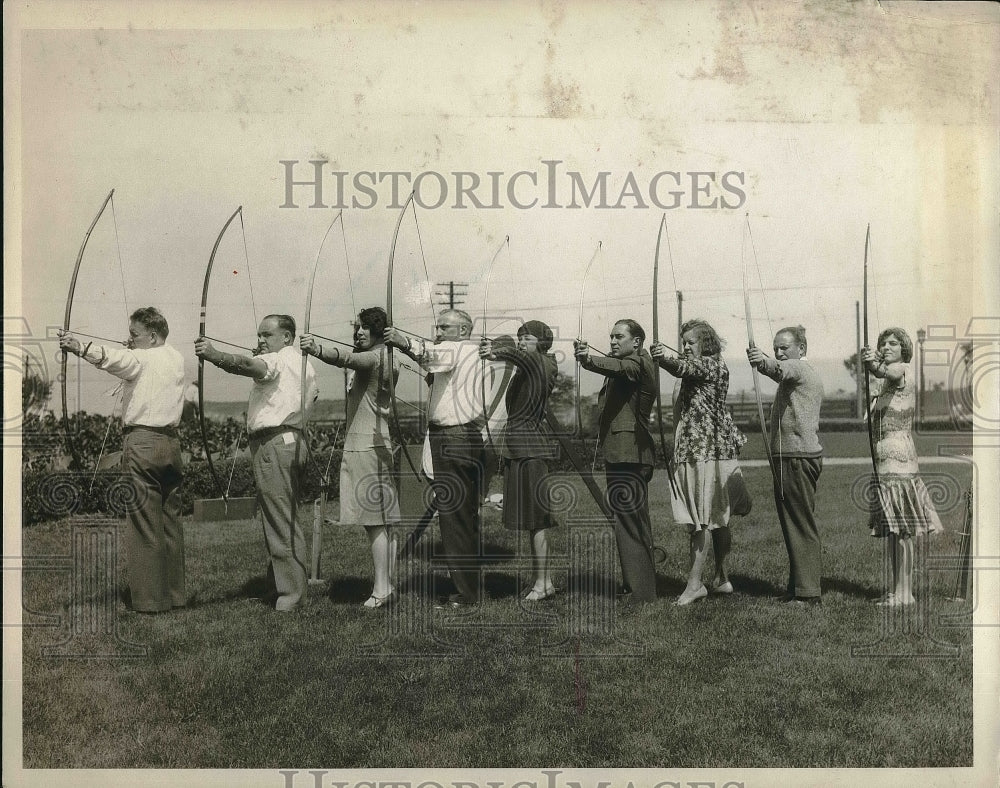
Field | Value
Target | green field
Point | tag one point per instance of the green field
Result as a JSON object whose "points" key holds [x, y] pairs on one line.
{"points": [[729, 681], [855, 444]]}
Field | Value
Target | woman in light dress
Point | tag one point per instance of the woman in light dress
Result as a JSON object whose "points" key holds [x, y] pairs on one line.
{"points": [[902, 511]]}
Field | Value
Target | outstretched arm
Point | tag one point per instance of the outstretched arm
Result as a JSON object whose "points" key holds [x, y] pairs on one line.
{"points": [[766, 366], [120, 362], [243, 366], [624, 368], [397, 339]]}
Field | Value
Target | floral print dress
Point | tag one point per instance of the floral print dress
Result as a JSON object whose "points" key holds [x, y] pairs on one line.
{"points": [[709, 484]]}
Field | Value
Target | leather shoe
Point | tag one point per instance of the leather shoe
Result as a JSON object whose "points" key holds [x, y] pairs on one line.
{"points": [[454, 602]]}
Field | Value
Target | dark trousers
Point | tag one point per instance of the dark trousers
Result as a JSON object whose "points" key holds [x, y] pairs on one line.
{"points": [[795, 500], [276, 471], [155, 541], [628, 495], [457, 456]]}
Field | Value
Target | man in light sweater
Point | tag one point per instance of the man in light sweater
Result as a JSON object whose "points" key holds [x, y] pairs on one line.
{"points": [[152, 400], [797, 455]]}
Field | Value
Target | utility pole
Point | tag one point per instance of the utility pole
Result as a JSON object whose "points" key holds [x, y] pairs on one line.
{"points": [[921, 336], [452, 293]]}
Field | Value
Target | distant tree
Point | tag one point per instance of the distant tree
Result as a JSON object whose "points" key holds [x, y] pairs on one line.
{"points": [[563, 395], [851, 365], [966, 348], [35, 390]]}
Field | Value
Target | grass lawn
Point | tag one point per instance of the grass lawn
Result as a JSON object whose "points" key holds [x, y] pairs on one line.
{"points": [[855, 444], [738, 681]]}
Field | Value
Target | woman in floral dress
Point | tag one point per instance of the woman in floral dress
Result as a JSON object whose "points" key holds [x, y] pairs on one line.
{"points": [[709, 486], [902, 509]]}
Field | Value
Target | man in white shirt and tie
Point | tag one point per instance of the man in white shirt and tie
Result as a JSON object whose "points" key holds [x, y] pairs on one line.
{"points": [[152, 373], [455, 423], [274, 423]]}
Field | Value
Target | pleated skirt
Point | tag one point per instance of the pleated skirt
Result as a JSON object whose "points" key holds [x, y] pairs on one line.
{"points": [[710, 493], [903, 507]]}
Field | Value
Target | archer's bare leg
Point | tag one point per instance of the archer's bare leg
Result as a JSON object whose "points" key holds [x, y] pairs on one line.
{"points": [[904, 571], [695, 588], [539, 554], [382, 548], [721, 544]]}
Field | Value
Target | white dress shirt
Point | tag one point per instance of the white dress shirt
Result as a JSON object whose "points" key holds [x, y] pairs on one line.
{"points": [[153, 382], [457, 391], [276, 400]]}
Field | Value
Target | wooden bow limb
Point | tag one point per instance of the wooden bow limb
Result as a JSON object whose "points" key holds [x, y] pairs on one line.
{"points": [[388, 310], [579, 338], [868, 400], [201, 361], [67, 314], [667, 458], [319, 506], [488, 410]]}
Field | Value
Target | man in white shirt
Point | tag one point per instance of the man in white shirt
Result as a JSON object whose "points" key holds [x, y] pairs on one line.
{"points": [[454, 426], [152, 400], [274, 423]]}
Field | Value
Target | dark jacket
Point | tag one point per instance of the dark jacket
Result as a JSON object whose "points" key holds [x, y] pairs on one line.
{"points": [[625, 402], [527, 398]]}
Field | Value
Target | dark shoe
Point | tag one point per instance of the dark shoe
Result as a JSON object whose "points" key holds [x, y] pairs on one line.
{"points": [[631, 608], [801, 600], [454, 602]]}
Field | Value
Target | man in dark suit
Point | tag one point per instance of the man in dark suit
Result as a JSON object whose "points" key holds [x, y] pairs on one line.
{"points": [[625, 403]]}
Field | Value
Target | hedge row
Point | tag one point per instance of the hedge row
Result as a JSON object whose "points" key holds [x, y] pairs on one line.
{"points": [[48, 493]]}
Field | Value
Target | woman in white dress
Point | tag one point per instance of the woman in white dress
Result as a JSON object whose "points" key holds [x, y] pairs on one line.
{"points": [[902, 507]]}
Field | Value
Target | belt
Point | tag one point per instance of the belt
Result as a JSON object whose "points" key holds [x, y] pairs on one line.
{"points": [[169, 431], [469, 426], [269, 432]]}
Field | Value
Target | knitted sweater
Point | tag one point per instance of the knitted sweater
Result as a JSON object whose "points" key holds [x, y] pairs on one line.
{"points": [[795, 413]]}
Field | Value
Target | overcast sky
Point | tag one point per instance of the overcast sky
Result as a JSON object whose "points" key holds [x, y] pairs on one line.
{"points": [[814, 121]]}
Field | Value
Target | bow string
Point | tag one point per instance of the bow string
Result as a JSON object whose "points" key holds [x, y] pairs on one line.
{"points": [[67, 325], [750, 341], [388, 310], [656, 338], [487, 411], [868, 399], [223, 491]]}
